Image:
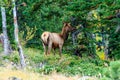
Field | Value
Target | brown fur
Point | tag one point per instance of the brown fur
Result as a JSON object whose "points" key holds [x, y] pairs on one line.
{"points": [[55, 40]]}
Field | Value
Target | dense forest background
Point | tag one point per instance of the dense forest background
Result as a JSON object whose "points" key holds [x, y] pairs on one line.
{"points": [[97, 40]]}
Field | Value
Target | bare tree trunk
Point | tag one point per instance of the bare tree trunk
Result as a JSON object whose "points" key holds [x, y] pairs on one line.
{"points": [[20, 50], [118, 27], [6, 43]]}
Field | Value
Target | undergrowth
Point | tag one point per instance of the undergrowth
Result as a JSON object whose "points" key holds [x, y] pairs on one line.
{"points": [[68, 64]]}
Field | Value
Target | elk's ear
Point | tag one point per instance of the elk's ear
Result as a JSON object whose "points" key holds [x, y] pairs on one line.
{"points": [[65, 24], [69, 23]]}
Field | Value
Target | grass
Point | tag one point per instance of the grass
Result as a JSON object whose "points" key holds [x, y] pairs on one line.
{"points": [[8, 70], [52, 65], [7, 73], [69, 65]]}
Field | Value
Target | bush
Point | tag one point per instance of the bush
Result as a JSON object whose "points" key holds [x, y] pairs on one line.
{"points": [[112, 72], [70, 65], [14, 57]]}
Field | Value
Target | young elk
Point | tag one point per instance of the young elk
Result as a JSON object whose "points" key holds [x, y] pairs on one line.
{"points": [[55, 40]]}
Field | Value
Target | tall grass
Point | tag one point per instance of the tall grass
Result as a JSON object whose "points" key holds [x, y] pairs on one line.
{"points": [[68, 64]]}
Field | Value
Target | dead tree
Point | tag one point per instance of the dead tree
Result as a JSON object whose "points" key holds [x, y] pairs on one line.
{"points": [[4, 37], [118, 27], [16, 30]]}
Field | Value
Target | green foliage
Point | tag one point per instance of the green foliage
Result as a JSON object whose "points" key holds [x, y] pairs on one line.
{"points": [[67, 64], [14, 57], [114, 45], [77, 67], [112, 72], [27, 34], [5, 3], [48, 15]]}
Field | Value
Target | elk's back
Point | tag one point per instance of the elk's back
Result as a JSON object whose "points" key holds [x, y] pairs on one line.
{"points": [[54, 38]]}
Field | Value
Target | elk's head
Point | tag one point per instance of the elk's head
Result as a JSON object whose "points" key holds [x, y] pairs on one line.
{"points": [[67, 27]]}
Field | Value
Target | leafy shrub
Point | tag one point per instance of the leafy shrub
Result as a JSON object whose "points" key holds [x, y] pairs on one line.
{"points": [[70, 65], [112, 72]]}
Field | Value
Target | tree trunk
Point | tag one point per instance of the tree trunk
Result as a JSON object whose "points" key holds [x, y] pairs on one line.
{"points": [[22, 60], [6, 44], [118, 27]]}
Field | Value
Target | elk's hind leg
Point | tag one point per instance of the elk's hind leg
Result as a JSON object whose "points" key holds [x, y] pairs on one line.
{"points": [[45, 49], [54, 51], [49, 47]]}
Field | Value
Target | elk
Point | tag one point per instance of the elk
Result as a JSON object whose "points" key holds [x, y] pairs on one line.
{"points": [[55, 40]]}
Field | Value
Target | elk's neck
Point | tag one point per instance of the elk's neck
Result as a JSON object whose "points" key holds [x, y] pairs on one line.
{"points": [[64, 34]]}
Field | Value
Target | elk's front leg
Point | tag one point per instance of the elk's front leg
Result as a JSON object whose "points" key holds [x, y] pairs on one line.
{"points": [[60, 50]]}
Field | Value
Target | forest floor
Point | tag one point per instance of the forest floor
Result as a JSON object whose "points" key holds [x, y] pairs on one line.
{"points": [[8, 73], [55, 68]]}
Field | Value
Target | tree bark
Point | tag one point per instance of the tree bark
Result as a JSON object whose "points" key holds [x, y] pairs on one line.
{"points": [[20, 50], [6, 44], [118, 27]]}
